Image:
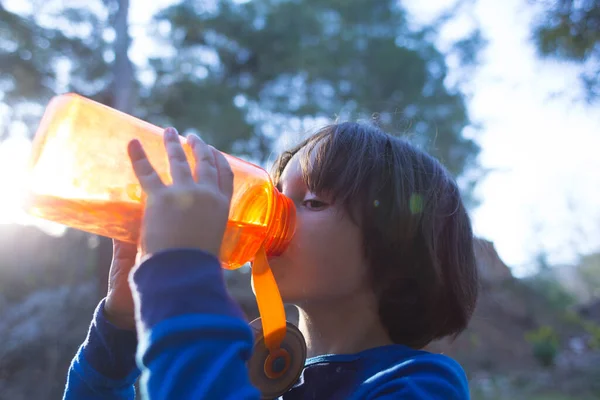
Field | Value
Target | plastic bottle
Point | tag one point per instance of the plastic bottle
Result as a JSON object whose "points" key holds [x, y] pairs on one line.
{"points": [[80, 176]]}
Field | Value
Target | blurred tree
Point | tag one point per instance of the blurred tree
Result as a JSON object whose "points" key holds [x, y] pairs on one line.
{"points": [[550, 288], [570, 30], [545, 344], [24, 77], [588, 270], [53, 47], [123, 77], [242, 73], [237, 70], [86, 42], [122, 96]]}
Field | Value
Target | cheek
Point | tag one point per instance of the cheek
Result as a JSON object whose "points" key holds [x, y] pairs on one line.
{"points": [[327, 255]]}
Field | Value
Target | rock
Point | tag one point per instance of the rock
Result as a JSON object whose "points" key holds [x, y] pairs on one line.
{"points": [[491, 268], [40, 336]]}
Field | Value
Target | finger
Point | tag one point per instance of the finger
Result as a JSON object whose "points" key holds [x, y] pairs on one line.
{"points": [[144, 171], [224, 172], [206, 169], [178, 163]]}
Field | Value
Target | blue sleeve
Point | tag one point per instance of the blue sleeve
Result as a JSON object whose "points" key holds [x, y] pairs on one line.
{"points": [[431, 377], [104, 366], [194, 341]]}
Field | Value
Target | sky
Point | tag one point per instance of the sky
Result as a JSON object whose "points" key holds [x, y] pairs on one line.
{"points": [[542, 195], [538, 140]]}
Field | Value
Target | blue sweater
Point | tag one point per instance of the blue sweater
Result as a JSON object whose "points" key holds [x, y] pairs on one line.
{"points": [[194, 343]]}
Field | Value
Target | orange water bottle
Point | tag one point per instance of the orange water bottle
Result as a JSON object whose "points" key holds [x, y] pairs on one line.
{"points": [[80, 176]]}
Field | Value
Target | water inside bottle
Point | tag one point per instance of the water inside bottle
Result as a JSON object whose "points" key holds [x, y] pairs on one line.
{"points": [[240, 243]]}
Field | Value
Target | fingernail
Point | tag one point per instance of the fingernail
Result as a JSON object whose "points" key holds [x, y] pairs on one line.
{"points": [[135, 149], [193, 139], [171, 133]]}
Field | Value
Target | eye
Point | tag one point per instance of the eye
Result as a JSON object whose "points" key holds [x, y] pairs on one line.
{"points": [[314, 204]]}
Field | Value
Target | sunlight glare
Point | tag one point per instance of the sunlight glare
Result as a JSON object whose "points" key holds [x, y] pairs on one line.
{"points": [[14, 153]]}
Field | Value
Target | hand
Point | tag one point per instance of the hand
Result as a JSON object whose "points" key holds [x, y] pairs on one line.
{"points": [[193, 211], [118, 308]]}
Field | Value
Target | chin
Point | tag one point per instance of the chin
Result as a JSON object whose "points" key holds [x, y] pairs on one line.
{"points": [[287, 283], [290, 294]]}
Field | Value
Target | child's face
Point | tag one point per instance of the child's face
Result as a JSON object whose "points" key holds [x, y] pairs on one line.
{"points": [[324, 260]]}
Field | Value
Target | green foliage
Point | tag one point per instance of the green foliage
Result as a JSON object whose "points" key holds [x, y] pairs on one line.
{"points": [[242, 68], [242, 73], [593, 330], [588, 270], [544, 342], [570, 30], [572, 319], [547, 286], [34, 45], [24, 75]]}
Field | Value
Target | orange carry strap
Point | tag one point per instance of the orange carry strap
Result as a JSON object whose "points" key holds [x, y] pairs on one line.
{"points": [[270, 304]]}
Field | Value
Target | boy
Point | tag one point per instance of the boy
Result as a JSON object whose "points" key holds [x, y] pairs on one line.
{"points": [[381, 265]]}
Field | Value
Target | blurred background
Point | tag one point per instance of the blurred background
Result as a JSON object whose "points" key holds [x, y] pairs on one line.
{"points": [[506, 94]]}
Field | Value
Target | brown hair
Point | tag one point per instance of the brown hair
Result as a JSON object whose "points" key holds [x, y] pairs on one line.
{"points": [[417, 236]]}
